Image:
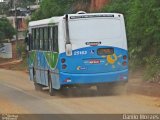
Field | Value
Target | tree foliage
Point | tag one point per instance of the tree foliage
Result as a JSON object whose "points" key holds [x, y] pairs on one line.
{"points": [[50, 8], [6, 29], [20, 3], [4, 8], [143, 30]]}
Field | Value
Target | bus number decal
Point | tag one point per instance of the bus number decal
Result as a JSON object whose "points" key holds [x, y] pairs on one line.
{"points": [[80, 52]]}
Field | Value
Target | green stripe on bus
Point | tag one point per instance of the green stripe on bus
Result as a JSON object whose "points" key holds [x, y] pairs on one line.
{"points": [[32, 57], [51, 58]]}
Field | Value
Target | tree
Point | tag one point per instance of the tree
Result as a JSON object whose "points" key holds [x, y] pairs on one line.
{"points": [[6, 29], [4, 8], [143, 28], [20, 3], [50, 8]]}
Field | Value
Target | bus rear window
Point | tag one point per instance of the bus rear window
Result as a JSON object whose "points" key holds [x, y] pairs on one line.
{"points": [[105, 51], [91, 30]]}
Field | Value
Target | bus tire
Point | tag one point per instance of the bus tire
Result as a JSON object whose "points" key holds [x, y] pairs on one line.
{"points": [[51, 91]]}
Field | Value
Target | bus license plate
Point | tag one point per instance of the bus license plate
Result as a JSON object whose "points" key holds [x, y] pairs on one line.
{"points": [[94, 61]]}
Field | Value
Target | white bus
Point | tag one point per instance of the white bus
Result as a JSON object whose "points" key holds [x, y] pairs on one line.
{"points": [[78, 49]]}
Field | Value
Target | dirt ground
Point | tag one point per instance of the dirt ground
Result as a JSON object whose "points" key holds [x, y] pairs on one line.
{"points": [[17, 95], [136, 82], [13, 64]]}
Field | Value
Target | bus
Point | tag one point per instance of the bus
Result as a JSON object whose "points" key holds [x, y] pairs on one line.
{"points": [[78, 49]]}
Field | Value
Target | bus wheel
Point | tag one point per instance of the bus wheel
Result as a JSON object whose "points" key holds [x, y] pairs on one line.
{"points": [[51, 91]]}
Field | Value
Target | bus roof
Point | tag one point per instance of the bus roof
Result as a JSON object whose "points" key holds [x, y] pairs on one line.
{"points": [[45, 21], [54, 20]]}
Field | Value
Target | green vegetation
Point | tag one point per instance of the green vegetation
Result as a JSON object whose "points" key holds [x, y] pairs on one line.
{"points": [[24, 3], [4, 8], [6, 29], [143, 32], [50, 8]]}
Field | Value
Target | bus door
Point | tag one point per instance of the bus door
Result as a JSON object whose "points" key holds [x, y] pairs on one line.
{"points": [[44, 50]]}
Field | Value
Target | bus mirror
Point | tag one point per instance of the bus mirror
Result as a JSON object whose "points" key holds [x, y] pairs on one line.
{"points": [[28, 41], [68, 49]]}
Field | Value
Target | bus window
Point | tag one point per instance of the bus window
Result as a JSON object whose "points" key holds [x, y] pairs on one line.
{"points": [[50, 38], [33, 38], [31, 41], [37, 39], [55, 38], [46, 38], [41, 38]]}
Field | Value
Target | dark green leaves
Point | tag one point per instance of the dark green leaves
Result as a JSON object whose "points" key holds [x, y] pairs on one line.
{"points": [[143, 29], [6, 29]]}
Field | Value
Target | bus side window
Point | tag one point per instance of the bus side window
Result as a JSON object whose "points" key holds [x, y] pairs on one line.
{"points": [[41, 38], [37, 39], [46, 38], [29, 41], [33, 39], [50, 38], [55, 38]]}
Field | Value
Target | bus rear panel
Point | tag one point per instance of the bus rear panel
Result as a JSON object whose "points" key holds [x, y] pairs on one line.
{"points": [[99, 52]]}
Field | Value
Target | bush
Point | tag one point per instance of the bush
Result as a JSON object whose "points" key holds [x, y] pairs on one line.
{"points": [[143, 32]]}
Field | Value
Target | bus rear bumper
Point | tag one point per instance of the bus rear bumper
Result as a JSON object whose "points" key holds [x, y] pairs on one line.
{"points": [[69, 79]]}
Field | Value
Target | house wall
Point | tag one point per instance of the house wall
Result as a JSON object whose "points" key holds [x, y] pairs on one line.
{"points": [[5, 50]]}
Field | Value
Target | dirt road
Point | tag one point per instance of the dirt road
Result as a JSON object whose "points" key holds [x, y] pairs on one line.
{"points": [[17, 95]]}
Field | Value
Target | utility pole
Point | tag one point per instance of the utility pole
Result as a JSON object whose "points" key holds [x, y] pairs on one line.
{"points": [[16, 24]]}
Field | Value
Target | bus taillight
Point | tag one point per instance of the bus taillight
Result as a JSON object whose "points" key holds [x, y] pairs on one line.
{"points": [[64, 66], [63, 60], [124, 57], [124, 63]]}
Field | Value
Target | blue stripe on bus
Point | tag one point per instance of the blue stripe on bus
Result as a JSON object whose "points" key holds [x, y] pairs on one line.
{"points": [[118, 76]]}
